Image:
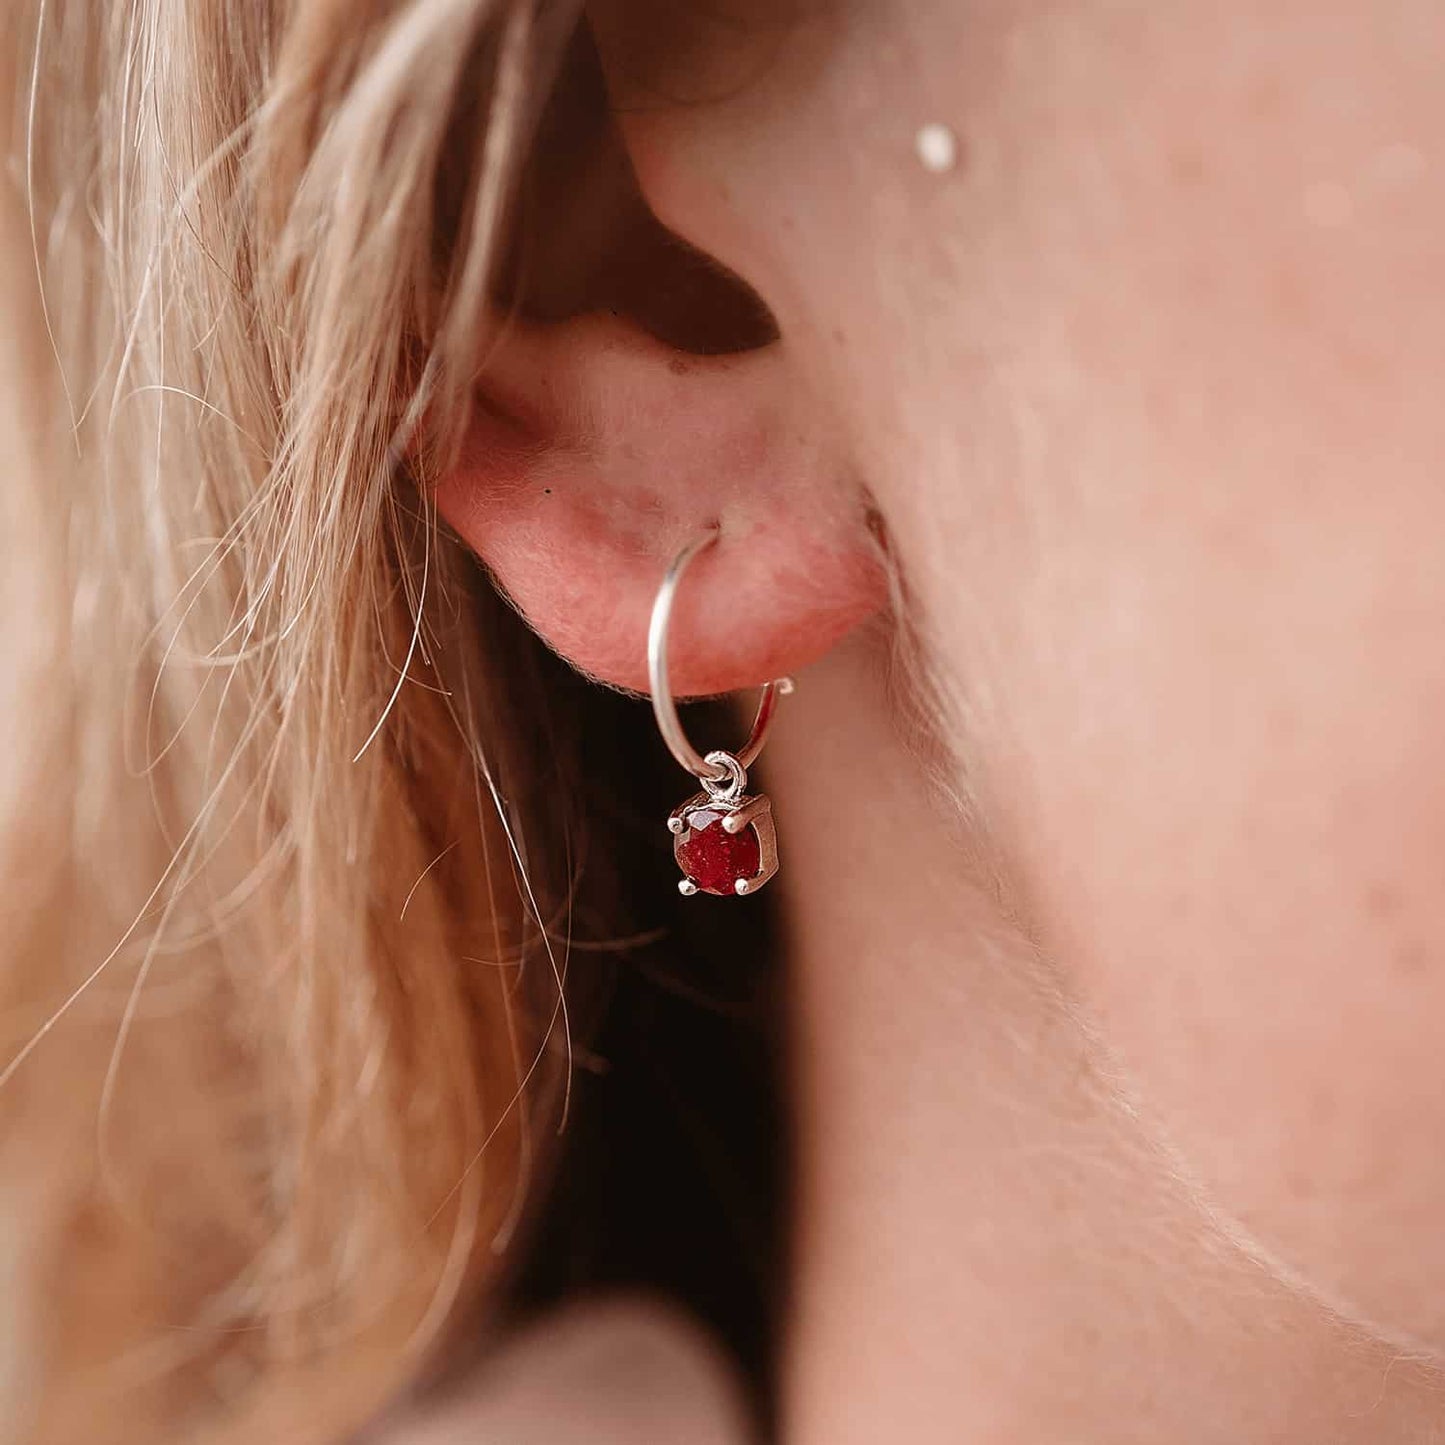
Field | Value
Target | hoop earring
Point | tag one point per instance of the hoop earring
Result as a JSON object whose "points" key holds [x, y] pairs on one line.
{"points": [[723, 839]]}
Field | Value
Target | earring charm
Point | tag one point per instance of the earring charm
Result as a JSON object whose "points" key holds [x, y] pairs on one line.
{"points": [[723, 837]]}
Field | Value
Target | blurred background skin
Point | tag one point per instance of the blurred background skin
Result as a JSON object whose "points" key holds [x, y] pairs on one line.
{"points": [[1111, 896]]}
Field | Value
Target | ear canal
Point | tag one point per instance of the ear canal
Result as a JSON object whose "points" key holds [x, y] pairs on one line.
{"points": [[583, 239]]}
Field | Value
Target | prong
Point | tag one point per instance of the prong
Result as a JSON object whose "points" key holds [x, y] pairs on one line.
{"points": [[754, 808], [746, 886], [687, 887]]}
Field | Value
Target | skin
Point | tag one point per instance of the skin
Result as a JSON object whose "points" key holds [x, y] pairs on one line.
{"points": [[1120, 1084]]}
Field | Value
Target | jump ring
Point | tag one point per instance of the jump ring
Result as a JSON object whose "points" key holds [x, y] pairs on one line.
{"points": [[734, 782]]}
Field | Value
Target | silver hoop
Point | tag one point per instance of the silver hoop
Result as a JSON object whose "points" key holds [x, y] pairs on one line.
{"points": [[663, 706]]}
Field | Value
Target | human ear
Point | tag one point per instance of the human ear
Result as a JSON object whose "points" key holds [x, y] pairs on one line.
{"points": [[638, 394], [596, 453]]}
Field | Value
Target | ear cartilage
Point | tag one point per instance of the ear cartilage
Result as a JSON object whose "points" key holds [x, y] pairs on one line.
{"points": [[937, 148]]}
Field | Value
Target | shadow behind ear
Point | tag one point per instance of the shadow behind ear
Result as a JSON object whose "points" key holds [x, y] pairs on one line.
{"points": [[583, 239]]}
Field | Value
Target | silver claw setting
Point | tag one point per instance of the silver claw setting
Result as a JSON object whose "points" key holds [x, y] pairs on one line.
{"points": [[755, 812]]}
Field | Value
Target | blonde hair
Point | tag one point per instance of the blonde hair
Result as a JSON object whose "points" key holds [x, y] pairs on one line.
{"points": [[269, 1073]]}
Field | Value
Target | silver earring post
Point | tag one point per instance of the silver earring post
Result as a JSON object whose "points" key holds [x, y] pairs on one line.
{"points": [[723, 839], [936, 147]]}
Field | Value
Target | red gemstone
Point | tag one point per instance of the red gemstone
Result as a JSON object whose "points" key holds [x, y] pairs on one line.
{"points": [[711, 856]]}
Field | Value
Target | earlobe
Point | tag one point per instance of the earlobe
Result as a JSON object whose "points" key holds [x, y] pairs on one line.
{"points": [[596, 452]]}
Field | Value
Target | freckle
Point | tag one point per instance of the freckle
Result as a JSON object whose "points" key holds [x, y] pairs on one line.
{"points": [[1381, 900], [1291, 297], [546, 491], [1328, 205], [1300, 1186], [1323, 1106], [1186, 166], [678, 367], [1412, 960], [1399, 164], [1264, 98], [838, 335]]}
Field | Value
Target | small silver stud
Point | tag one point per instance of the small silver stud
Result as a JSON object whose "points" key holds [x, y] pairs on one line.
{"points": [[937, 148], [743, 885], [674, 825], [686, 887]]}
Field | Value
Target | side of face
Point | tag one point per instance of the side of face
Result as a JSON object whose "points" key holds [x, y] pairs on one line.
{"points": [[1147, 390]]}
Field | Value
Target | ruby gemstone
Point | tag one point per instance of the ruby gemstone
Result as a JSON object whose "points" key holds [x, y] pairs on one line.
{"points": [[711, 856]]}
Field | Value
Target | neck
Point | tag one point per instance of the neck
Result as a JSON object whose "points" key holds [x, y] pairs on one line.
{"points": [[991, 1244]]}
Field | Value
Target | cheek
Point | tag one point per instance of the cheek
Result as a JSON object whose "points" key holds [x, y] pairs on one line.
{"points": [[1230, 822], [1182, 560]]}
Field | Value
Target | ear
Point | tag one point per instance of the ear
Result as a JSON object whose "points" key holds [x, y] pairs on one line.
{"points": [[595, 454]]}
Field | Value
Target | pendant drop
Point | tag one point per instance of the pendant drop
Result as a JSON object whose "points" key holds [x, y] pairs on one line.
{"points": [[724, 846], [723, 837]]}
